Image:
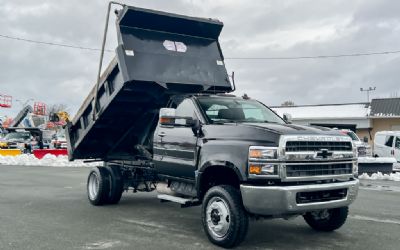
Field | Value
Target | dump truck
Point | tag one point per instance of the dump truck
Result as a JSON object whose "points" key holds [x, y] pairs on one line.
{"points": [[161, 118]]}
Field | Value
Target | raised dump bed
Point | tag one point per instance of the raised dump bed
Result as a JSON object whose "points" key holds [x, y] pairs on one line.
{"points": [[159, 55]]}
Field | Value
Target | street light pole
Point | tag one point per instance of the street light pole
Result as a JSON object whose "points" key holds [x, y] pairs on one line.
{"points": [[369, 89]]}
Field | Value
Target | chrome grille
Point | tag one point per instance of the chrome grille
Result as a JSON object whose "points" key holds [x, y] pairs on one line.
{"points": [[301, 146], [318, 169]]}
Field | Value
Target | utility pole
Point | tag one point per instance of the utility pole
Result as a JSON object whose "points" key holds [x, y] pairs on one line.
{"points": [[369, 89]]}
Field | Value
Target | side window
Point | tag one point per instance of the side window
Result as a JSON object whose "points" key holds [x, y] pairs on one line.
{"points": [[389, 141], [397, 143], [186, 108]]}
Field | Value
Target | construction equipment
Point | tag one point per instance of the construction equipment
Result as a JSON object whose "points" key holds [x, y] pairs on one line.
{"points": [[5, 101], [21, 115], [39, 108]]}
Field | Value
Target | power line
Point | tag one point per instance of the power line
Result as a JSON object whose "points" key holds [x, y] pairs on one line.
{"points": [[227, 58], [52, 43], [315, 57]]}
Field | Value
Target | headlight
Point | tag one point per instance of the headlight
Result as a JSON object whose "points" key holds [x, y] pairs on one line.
{"points": [[355, 169], [355, 151], [259, 164], [263, 153]]}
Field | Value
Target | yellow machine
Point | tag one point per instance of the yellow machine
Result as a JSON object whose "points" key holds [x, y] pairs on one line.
{"points": [[64, 116], [10, 152]]}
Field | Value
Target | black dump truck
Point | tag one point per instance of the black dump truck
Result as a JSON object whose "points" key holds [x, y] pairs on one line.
{"points": [[161, 119]]}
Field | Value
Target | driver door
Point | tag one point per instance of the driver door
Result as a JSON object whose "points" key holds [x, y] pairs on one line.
{"points": [[176, 151]]}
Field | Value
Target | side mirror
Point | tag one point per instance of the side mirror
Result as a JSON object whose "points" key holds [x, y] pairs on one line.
{"points": [[168, 118], [287, 117], [365, 139]]}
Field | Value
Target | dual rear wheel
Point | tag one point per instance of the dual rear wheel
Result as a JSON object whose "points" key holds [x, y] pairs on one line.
{"points": [[105, 185]]}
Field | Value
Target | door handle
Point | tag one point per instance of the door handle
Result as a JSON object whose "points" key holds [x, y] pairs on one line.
{"points": [[161, 134]]}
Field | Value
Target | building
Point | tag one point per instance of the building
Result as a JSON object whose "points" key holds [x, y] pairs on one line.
{"points": [[385, 114], [363, 118]]}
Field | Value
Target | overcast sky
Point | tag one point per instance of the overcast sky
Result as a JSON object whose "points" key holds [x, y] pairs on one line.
{"points": [[252, 29]]}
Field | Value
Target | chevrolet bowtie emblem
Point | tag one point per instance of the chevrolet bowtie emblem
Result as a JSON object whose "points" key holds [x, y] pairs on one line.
{"points": [[323, 153]]}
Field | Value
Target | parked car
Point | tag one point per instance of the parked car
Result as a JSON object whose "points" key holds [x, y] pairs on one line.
{"points": [[387, 144], [18, 139], [59, 141], [3, 142], [363, 148]]}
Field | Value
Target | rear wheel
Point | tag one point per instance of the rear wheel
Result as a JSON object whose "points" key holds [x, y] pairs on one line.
{"points": [[98, 186], [224, 219], [327, 219], [116, 184]]}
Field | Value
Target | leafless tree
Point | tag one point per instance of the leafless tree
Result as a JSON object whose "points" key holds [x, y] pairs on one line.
{"points": [[55, 108], [287, 103]]}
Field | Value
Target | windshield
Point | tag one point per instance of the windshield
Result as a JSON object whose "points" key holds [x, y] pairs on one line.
{"points": [[18, 135], [353, 136], [222, 109]]}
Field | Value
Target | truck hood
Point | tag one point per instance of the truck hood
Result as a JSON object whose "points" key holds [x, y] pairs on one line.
{"points": [[264, 133], [292, 129]]}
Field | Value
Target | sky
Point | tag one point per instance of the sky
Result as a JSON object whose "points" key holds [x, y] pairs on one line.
{"points": [[269, 28]]}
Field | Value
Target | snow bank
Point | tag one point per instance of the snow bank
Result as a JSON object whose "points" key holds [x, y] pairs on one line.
{"points": [[47, 160], [376, 160], [380, 176]]}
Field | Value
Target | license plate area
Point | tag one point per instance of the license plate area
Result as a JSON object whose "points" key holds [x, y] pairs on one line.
{"points": [[321, 196]]}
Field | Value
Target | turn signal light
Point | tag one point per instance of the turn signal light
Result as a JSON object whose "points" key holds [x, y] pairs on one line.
{"points": [[166, 120], [255, 169]]}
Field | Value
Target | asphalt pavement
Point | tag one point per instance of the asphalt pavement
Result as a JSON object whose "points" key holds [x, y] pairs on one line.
{"points": [[47, 208]]}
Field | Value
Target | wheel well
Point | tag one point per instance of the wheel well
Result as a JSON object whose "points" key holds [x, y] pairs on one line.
{"points": [[217, 175]]}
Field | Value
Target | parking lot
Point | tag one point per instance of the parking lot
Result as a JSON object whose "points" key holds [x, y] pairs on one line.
{"points": [[46, 208]]}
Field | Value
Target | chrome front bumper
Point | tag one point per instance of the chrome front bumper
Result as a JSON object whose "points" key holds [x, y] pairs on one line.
{"points": [[281, 200]]}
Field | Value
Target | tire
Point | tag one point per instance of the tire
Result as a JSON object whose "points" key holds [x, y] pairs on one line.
{"points": [[222, 206], [116, 184], [327, 220], [98, 186]]}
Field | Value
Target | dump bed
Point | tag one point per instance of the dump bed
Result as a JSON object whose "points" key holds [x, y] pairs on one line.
{"points": [[159, 55]]}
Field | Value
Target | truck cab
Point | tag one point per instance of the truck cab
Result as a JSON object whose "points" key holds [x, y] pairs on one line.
{"points": [[280, 169]]}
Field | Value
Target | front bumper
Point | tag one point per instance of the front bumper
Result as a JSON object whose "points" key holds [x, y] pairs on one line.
{"points": [[281, 200]]}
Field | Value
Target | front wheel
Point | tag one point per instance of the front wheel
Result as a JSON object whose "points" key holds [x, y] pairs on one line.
{"points": [[224, 219], [327, 219]]}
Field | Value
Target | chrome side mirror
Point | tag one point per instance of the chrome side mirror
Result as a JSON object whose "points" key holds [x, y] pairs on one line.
{"points": [[168, 118]]}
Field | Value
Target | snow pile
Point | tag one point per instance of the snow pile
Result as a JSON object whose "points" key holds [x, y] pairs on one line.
{"points": [[376, 160], [380, 176], [47, 160]]}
